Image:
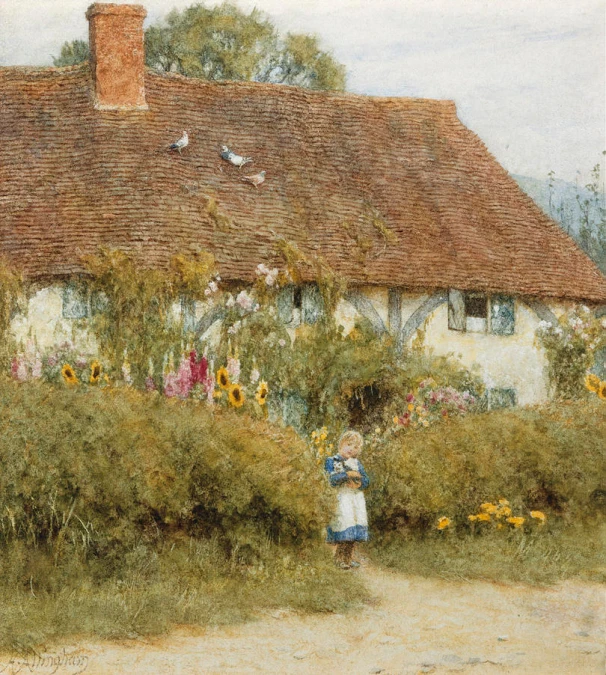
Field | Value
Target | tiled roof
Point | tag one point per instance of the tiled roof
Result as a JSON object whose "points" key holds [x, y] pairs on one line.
{"points": [[390, 191]]}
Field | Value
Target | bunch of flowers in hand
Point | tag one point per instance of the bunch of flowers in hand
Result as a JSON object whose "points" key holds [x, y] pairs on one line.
{"points": [[571, 346], [430, 403]]}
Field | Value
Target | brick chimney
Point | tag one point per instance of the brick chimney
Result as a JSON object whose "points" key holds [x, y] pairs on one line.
{"points": [[117, 55]]}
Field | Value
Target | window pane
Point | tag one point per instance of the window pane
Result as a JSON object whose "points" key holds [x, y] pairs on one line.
{"points": [[476, 305], [312, 304], [502, 315], [75, 304]]}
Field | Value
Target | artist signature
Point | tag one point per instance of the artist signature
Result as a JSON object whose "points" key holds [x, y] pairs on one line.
{"points": [[61, 663]]}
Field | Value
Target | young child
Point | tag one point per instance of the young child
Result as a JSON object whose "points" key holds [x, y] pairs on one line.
{"points": [[350, 523]]}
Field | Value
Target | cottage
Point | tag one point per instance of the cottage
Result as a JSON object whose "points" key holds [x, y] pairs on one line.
{"points": [[396, 194]]}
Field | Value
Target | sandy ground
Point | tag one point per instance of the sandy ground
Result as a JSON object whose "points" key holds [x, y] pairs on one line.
{"points": [[414, 625]]}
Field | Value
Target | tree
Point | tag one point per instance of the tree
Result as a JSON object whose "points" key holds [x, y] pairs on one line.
{"points": [[225, 43], [72, 53]]}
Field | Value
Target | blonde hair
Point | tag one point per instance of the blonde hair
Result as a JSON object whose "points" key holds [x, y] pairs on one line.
{"points": [[352, 437]]}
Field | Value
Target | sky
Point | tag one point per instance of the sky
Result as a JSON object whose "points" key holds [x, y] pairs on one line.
{"points": [[528, 76]]}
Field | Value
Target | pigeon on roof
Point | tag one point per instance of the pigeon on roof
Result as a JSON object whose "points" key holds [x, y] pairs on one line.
{"points": [[255, 180], [236, 160], [183, 142]]}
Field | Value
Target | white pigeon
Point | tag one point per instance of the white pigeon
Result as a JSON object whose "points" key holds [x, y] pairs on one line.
{"points": [[255, 180], [232, 158], [183, 142]]}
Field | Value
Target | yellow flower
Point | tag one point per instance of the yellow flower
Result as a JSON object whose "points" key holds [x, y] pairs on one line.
{"points": [[236, 395], [592, 382], [425, 423], [602, 391], [443, 523], [377, 431], [410, 407], [314, 434], [504, 502], [539, 515], [68, 374], [472, 518], [395, 420], [95, 372], [516, 521], [262, 391], [419, 409], [483, 517], [500, 526], [323, 436], [503, 511], [487, 507], [217, 394], [223, 378]]}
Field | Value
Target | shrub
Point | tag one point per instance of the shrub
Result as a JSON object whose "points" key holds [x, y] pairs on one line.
{"points": [[104, 469], [550, 460]]}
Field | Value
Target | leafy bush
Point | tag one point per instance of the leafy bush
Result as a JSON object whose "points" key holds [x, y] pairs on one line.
{"points": [[550, 460], [111, 467], [571, 348]]}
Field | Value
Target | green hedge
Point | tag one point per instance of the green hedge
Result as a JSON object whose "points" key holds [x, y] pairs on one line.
{"points": [[104, 470], [550, 459]]}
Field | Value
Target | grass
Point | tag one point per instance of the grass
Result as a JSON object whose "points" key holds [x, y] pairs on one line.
{"points": [[191, 583], [542, 557]]}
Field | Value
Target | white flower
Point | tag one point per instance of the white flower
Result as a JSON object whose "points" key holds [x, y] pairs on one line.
{"points": [[244, 300], [218, 278], [585, 309], [254, 376], [213, 286], [262, 269], [269, 280], [604, 324], [544, 325], [558, 330], [282, 342], [230, 302], [207, 292]]}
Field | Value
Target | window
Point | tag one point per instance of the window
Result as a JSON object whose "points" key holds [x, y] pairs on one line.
{"points": [[300, 304], [75, 302], [481, 313]]}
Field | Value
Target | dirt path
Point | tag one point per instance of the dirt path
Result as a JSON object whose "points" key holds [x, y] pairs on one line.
{"points": [[415, 626]]}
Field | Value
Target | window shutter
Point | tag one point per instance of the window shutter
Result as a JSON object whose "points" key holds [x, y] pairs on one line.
{"points": [[456, 310], [75, 305], [285, 301], [311, 303], [502, 315]]}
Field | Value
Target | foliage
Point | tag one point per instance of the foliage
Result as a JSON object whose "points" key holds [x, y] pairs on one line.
{"points": [[11, 301], [571, 347], [136, 320], [549, 460], [111, 466], [226, 43], [72, 53], [429, 404]]}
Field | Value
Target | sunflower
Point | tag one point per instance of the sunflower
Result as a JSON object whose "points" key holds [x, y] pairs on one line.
{"points": [[261, 397], [223, 378], [443, 523], [69, 374], [592, 382], [602, 391], [516, 521], [95, 372], [236, 395]]}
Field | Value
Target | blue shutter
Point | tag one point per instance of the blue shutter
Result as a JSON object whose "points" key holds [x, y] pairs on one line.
{"points": [[312, 304], [502, 315], [285, 303], [456, 310]]}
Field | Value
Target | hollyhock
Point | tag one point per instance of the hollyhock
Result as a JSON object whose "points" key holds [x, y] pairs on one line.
{"points": [[184, 378]]}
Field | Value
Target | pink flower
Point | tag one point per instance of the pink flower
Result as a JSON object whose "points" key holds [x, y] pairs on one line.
{"points": [[170, 385], [14, 367], [233, 368], [184, 378], [37, 367], [150, 385], [410, 398], [22, 370]]}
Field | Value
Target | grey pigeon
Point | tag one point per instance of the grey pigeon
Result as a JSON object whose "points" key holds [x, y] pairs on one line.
{"points": [[232, 158], [183, 142], [255, 180]]}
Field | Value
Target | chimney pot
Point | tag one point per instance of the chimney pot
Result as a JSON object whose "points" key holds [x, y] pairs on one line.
{"points": [[117, 55]]}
